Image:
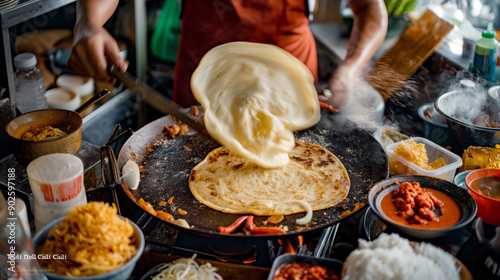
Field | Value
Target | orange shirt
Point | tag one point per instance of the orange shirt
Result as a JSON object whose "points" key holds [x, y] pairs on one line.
{"points": [[206, 24]]}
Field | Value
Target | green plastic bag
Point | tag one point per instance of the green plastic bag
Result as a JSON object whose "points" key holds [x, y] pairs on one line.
{"points": [[165, 39]]}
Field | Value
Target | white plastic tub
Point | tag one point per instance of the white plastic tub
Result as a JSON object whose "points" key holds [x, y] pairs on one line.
{"points": [[400, 166]]}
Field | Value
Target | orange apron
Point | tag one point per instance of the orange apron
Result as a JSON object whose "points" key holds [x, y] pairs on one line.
{"points": [[206, 24]]}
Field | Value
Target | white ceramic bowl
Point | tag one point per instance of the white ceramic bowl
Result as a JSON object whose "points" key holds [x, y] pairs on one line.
{"points": [[83, 86], [60, 98]]}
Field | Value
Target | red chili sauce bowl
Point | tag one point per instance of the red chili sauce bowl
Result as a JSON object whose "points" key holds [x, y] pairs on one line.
{"points": [[451, 211], [455, 196], [331, 268], [488, 208]]}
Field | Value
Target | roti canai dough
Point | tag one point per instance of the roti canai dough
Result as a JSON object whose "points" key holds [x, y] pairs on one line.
{"points": [[227, 182], [255, 95]]}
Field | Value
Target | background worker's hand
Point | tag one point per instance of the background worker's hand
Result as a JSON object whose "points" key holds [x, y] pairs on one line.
{"points": [[94, 50], [339, 87]]}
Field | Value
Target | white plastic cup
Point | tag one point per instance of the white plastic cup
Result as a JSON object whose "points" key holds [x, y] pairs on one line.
{"points": [[56, 181], [83, 86], [23, 216], [60, 98]]}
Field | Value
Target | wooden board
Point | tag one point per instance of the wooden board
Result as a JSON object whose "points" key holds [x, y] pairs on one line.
{"points": [[414, 46]]}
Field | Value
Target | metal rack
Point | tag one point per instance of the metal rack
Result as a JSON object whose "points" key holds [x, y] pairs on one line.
{"points": [[23, 11], [29, 9], [113, 111]]}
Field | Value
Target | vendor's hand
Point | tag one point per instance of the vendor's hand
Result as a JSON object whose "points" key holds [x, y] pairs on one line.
{"points": [[339, 87], [95, 50]]}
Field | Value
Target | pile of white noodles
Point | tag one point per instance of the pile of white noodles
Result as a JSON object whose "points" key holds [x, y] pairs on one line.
{"points": [[187, 269], [393, 257]]}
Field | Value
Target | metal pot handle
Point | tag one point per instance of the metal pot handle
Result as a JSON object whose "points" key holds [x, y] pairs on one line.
{"points": [[92, 101], [110, 172]]}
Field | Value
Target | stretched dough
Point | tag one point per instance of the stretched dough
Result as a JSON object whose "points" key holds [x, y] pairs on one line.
{"points": [[255, 95]]}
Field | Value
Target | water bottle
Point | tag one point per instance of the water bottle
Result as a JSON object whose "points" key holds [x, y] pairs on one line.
{"points": [[30, 89]]}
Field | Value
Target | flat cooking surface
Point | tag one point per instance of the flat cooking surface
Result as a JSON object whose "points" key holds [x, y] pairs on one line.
{"points": [[170, 164]]}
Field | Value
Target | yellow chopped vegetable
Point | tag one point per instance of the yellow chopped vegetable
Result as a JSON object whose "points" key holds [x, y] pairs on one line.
{"points": [[481, 157], [416, 153]]}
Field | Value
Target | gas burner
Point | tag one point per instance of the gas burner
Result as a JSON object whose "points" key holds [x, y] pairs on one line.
{"points": [[255, 251]]}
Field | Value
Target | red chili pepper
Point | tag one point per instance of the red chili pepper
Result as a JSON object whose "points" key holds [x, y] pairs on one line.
{"points": [[250, 225], [328, 107], [236, 224], [262, 230], [267, 230]]}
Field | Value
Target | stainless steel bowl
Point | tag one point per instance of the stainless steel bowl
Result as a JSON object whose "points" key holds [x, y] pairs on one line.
{"points": [[494, 93], [465, 112], [435, 127]]}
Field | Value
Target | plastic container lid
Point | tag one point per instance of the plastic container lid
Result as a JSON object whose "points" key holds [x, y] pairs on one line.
{"points": [[401, 166], [60, 98], [489, 33], [83, 86], [25, 61]]}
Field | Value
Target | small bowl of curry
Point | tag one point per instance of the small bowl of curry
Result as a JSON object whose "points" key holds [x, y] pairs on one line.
{"points": [[422, 207], [484, 186], [38, 133]]}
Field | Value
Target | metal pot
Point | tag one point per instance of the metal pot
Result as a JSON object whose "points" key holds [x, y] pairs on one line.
{"points": [[462, 109], [25, 150]]}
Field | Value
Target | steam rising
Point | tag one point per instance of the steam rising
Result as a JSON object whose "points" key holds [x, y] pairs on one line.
{"points": [[364, 106], [469, 104]]}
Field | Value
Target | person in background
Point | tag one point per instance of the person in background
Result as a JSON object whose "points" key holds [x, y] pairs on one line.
{"points": [[206, 24]]}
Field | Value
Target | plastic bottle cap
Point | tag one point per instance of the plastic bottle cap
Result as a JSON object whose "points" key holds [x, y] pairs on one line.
{"points": [[489, 33], [25, 61]]}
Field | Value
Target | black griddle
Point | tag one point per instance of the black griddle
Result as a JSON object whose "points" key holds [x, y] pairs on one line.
{"points": [[169, 165]]}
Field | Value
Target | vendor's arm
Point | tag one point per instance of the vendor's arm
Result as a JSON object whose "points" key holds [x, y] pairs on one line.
{"points": [[93, 47], [368, 33]]}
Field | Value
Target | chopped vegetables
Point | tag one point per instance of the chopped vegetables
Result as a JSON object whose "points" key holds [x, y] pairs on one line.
{"points": [[417, 154], [328, 107], [306, 271], [194, 110], [234, 226], [173, 130], [304, 220], [250, 226]]}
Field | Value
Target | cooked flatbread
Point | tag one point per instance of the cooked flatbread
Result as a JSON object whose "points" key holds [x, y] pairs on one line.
{"points": [[227, 182], [255, 96]]}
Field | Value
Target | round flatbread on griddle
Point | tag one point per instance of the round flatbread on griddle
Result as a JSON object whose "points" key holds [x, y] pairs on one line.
{"points": [[227, 182]]}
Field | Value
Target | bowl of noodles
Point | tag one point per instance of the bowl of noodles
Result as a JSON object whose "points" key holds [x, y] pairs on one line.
{"points": [[91, 242]]}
